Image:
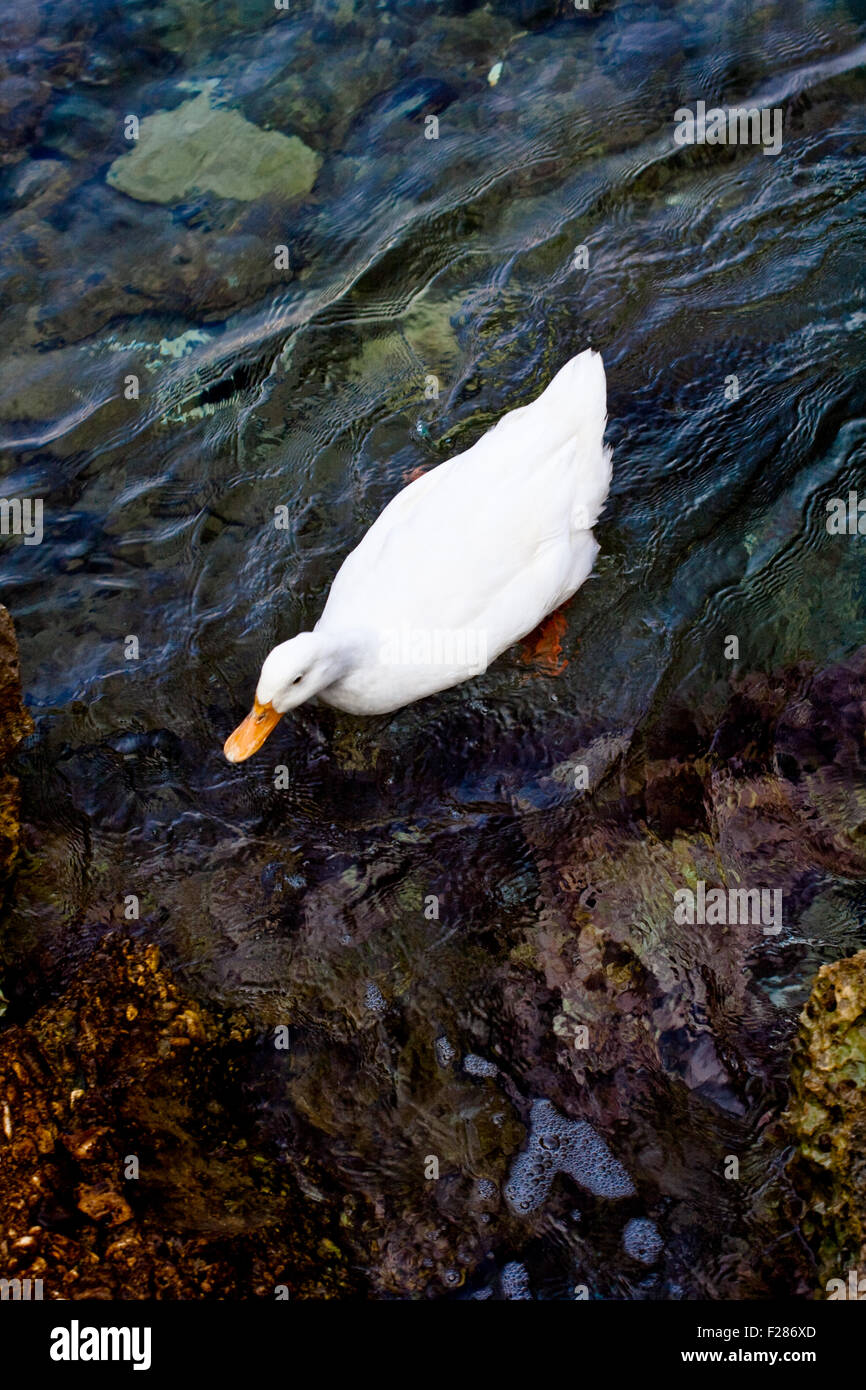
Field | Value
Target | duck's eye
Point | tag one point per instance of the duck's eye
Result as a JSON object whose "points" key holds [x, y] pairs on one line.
{"points": [[297, 680]]}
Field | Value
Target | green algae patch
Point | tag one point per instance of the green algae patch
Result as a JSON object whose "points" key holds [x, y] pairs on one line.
{"points": [[199, 148]]}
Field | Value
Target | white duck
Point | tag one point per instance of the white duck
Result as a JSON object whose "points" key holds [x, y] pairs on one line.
{"points": [[462, 563]]}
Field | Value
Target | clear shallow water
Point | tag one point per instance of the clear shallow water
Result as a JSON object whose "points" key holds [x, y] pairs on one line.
{"points": [[260, 389]]}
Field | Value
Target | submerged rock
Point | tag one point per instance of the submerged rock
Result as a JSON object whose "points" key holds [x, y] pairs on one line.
{"points": [[641, 1023], [199, 148], [827, 1117], [22, 104]]}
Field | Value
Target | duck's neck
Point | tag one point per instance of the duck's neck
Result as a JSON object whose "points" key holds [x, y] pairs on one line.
{"points": [[341, 652]]}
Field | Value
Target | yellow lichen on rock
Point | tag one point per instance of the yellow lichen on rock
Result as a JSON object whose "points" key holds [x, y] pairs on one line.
{"points": [[827, 1117]]}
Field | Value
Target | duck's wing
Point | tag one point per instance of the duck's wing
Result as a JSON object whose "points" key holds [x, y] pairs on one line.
{"points": [[564, 424], [451, 541]]}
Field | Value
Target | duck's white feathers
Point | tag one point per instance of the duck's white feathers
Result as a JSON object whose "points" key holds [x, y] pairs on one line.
{"points": [[492, 540]]}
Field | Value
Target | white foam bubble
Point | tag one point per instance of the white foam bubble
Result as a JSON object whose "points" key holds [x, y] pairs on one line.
{"points": [[374, 1000], [642, 1241], [515, 1281], [560, 1145], [479, 1066]]}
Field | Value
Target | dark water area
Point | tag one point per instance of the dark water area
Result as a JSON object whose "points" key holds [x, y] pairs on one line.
{"points": [[430, 886]]}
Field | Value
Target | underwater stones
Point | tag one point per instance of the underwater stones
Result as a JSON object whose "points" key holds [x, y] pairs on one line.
{"points": [[22, 102], [820, 750], [675, 798], [103, 1203], [201, 148], [416, 96], [37, 178], [659, 42], [321, 101], [429, 331], [123, 1064], [641, 1240], [589, 765], [827, 1117], [79, 126], [560, 1145], [197, 269]]}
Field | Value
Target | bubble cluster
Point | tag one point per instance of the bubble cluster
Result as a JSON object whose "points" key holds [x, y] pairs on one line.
{"points": [[479, 1066], [515, 1281], [374, 1000], [560, 1145], [445, 1051], [642, 1241]]}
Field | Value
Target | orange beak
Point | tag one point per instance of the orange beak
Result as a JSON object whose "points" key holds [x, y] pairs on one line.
{"points": [[249, 736]]}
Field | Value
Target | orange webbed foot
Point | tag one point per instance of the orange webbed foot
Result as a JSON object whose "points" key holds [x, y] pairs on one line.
{"points": [[542, 648], [410, 474]]}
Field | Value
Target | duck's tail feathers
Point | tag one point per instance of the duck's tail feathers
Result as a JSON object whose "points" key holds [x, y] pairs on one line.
{"points": [[595, 478], [574, 408], [571, 409]]}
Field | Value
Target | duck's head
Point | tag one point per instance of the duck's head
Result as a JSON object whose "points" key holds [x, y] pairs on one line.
{"points": [[292, 673]]}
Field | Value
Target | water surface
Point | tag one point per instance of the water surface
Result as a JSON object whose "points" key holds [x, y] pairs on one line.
{"points": [[305, 389]]}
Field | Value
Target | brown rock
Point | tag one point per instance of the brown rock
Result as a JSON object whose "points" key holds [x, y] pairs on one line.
{"points": [[102, 1203], [22, 102]]}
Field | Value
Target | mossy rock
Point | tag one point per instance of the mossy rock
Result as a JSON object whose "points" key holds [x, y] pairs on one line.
{"points": [[827, 1118], [199, 148]]}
